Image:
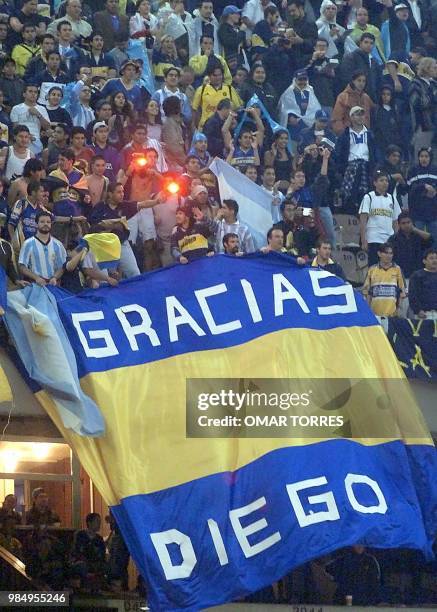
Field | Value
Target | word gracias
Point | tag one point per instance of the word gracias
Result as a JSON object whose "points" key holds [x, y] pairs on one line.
{"points": [[178, 315]]}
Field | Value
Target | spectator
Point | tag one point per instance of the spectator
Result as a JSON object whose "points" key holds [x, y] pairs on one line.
{"points": [[128, 85], [10, 84], [143, 24], [190, 235], [355, 151], [40, 512], [41, 260], [258, 85], [205, 23], [82, 154], [322, 73], [97, 181], [13, 158], [57, 115], [352, 96], [164, 56], [214, 125], [231, 37], [316, 132], [246, 150], [203, 61], [100, 147], [379, 213], [73, 15], [279, 156], [208, 96], [362, 60], [303, 34], [32, 115], [97, 58], [329, 29], [39, 62], [357, 574], [27, 50], [271, 186], [422, 196], [392, 166], [361, 27], [231, 244], [170, 88], [394, 31], [226, 222], [22, 222], [423, 104], [323, 259], [8, 509], [409, 244], [33, 171], [265, 31], [385, 121], [275, 242], [173, 137], [89, 551], [298, 105], [199, 149], [109, 214], [423, 288], [152, 119], [110, 23], [384, 286], [71, 54]]}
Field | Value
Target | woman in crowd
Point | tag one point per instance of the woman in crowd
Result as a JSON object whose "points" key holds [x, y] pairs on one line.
{"points": [[122, 117], [279, 156], [385, 122], [352, 95]]}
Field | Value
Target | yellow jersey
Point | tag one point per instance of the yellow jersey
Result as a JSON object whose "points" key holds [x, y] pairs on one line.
{"points": [[384, 287], [207, 98]]}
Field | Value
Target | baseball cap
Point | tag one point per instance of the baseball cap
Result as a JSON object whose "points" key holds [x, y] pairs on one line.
{"points": [[322, 115], [356, 109], [98, 125], [301, 74], [198, 189], [400, 6], [231, 9]]}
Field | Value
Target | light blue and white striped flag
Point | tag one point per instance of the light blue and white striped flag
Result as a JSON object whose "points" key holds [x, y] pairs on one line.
{"points": [[255, 204]]}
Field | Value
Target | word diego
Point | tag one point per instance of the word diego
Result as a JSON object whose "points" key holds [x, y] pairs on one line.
{"points": [[235, 400], [162, 540], [177, 314]]}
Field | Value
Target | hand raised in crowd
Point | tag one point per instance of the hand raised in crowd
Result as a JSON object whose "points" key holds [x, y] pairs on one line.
{"points": [[197, 213], [183, 260]]}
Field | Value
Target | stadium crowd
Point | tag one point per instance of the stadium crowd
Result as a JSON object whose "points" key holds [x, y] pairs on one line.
{"points": [[110, 120]]}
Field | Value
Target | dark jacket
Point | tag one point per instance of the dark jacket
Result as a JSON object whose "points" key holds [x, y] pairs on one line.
{"points": [[358, 60], [280, 64], [12, 90], [265, 92], [385, 127], [308, 32], [422, 207], [422, 104], [408, 251], [322, 77], [342, 149], [232, 40], [103, 23], [213, 131], [422, 291]]}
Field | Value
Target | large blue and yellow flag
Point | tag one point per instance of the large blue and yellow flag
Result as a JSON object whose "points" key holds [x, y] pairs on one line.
{"points": [[213, 510]]}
